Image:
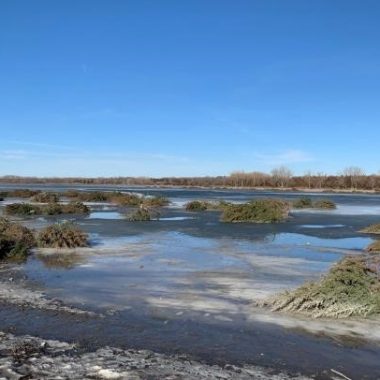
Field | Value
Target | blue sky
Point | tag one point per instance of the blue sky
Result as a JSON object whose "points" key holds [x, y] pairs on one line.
{"points": [[192, 87]]}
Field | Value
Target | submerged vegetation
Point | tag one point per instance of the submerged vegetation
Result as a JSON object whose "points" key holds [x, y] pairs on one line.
{"points": [[25, 209], [259, 211], [325, 204], [15, 240], [350, 288], [306, 202], [62, 235], [61, 260]]}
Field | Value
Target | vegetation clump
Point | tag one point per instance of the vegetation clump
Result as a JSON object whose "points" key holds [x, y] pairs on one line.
{"points": [[62, 235], [26, 209], [87, 196], [259, 211], [306, 202], [196, 206], [22, 209], [75, 208], [117, 197], [325, 204], [372, 229], [20, 193], [155, 201], [125, 199], [374, 247], [206, 206], [350, 288], [143, 214], [46, 197], [303, 202], [15, 240]]}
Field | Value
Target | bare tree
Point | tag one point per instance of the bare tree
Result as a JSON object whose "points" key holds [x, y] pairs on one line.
{"points": [[309, 177], [353, 173], [281, 175]]}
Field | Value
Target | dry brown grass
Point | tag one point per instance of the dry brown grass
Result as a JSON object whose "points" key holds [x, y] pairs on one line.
{"points": [[350, 288]]}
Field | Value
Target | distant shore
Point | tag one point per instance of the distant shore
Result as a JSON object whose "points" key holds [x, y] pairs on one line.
{"points": [[159, 186]]}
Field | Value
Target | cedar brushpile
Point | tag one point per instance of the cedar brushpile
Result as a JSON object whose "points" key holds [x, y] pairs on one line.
{"points": [[25, 209], [15, 240], [197, 206], [20, 193], [325, 204], [259, 211], [155, 202], [306, 202], [46, 197], [372, 229], [303, 203], [143, 214], [350, 288], [62, 235]]}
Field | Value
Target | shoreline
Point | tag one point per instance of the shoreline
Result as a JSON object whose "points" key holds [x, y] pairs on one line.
{"points": [[69, 355], [301, 190]]}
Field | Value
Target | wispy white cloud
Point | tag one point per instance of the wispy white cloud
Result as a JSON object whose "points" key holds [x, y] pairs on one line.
{"points": [[13, 154], [291, 156], [35, 144]]}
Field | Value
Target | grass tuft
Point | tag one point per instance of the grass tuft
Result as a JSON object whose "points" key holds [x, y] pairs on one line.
{"points": [[196, 206], [303, 203], [26, 209], [350, 288], [15, 240], [155, 202], [62, 235], [374, 247], [143, 215], [259, 211], [372, 229], [46, 197], [325, 204]]}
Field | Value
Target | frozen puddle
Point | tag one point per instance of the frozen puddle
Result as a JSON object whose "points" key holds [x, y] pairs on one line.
{"points": [[175, 218], [106, 215], [291, 240], [322, 226], [171, 269], [343, 209]]}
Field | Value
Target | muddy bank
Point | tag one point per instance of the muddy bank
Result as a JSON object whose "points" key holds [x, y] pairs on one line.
{"points": [[33, 358]]}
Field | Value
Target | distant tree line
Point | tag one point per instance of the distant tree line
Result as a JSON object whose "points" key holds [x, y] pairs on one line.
{"points": [[351, 178]]}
